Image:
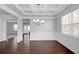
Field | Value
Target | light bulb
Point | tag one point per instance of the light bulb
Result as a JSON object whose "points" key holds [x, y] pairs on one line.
{"points": [[38, 20], [33, 20], [42, 21]]}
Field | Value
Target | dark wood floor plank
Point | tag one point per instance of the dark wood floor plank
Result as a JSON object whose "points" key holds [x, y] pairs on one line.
{"points": [[35, 47]]}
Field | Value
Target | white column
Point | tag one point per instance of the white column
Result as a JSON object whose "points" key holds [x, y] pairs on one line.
{"points": [[20, 30], [3, 28]]}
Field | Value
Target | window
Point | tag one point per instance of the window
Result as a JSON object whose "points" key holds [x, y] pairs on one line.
{"points": [[15, 27], [66, 24], [26, 28], [70, 23]]}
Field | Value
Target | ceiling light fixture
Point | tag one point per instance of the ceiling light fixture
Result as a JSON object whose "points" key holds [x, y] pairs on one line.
{"points": [[38, 21]]}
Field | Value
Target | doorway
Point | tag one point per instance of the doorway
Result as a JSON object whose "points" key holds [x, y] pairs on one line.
{"points": [[26, 31]]}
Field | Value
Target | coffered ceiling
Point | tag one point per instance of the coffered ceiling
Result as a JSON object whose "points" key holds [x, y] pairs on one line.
{"points": [[19, 10], [37, 9], [41, 9]]}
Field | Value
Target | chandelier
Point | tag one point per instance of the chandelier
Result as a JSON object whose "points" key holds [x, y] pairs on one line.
{"points": [[38, 21]]}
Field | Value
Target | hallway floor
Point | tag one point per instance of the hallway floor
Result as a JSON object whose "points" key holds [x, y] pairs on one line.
{"points": [[34, 47]]}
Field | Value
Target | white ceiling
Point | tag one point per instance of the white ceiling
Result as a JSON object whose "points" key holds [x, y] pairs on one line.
{"points": [[41, 9], [11, 11], [35, 9]]}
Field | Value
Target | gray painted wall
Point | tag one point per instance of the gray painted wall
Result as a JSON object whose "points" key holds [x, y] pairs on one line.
{"points": [[69, 41], [44, 31], [10, 28]]}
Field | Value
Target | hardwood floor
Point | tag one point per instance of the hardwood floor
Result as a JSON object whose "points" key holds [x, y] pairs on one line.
{"points": [[49, 47], [34, 47]]}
